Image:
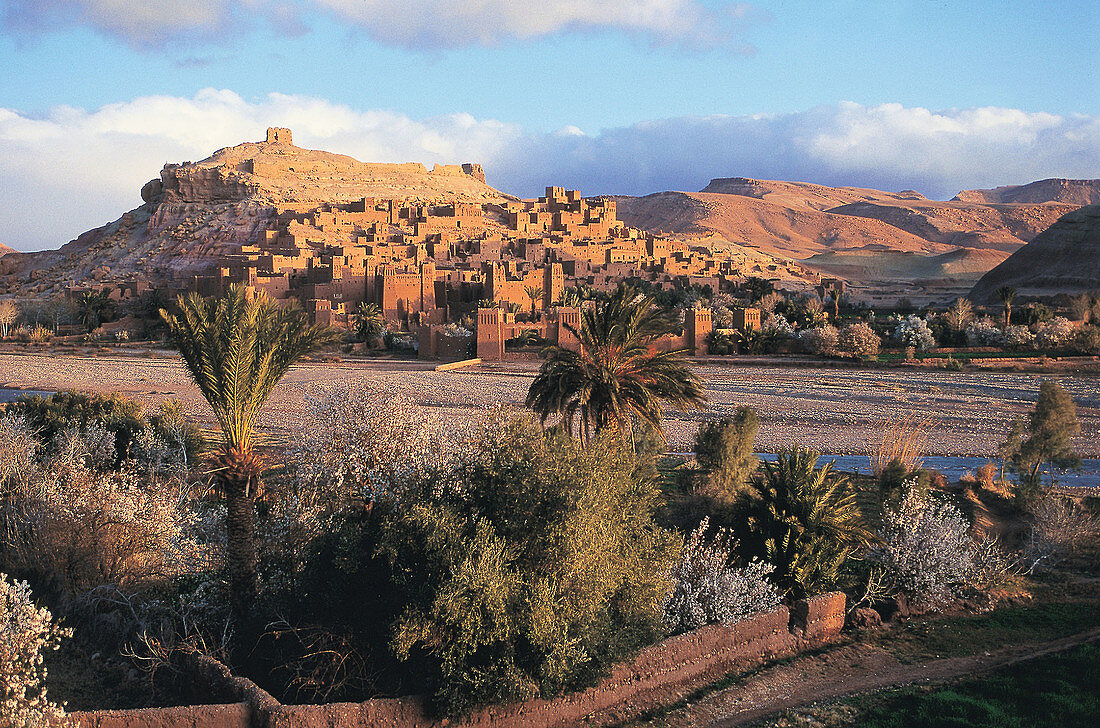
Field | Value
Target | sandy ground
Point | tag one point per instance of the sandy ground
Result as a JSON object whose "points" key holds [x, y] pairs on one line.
{"points": [[838, 411]]}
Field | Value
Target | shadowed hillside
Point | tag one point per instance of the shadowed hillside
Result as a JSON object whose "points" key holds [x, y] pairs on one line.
{"points": [[1063, 259]]}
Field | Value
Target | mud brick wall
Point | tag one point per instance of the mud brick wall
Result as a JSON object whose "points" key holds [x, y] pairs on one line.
{"points": [[659, 675]]}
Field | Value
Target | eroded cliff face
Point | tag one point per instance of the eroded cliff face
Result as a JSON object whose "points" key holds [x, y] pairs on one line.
{"points": [[1062, 259], [195, 213]]}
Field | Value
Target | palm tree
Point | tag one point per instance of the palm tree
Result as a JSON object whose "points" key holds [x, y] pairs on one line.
{"points": [[369, 326], [834, 298], [534, 293], [236, 349], [804, 520], [615, 374], [95, 307], [1007, 294]]}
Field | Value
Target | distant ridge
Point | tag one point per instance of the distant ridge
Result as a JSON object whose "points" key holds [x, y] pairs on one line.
{"points": [[1078, 192], [1063, 259]]}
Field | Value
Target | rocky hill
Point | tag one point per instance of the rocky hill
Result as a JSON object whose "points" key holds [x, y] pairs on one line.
{"points": [[873, 238], [196, 212], [4, 250], [1062, 259]]}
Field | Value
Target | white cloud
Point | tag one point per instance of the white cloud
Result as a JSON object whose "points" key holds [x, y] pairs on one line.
{"points": [[75, 169], [416, 23], [407, 23]]}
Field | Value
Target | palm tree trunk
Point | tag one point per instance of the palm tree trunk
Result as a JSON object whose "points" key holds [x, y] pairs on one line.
{"points": [[240, 524]]}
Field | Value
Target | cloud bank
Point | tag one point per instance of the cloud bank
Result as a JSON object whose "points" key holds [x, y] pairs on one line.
{"points": [[75, 169], [416, 24]]}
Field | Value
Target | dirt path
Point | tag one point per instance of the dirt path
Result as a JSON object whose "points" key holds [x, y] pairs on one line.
{"points": [[852, 669]]}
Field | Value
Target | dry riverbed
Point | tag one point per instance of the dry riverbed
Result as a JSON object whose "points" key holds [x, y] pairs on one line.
{"points": [[838, 411]]}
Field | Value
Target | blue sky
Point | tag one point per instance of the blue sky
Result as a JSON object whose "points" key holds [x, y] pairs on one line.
{"points": [[627, 96]]}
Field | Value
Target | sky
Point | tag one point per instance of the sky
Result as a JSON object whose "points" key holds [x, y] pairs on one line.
{"points": [[605, 96]]}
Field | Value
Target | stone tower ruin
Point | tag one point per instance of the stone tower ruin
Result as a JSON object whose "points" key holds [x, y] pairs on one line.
{"points": [[278, 135]]}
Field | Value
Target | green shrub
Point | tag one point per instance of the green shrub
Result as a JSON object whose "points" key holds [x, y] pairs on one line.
{"points": [[541, 568]]}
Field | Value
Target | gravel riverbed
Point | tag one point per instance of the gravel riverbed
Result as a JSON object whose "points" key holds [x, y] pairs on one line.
{"points": [[837, 411]]}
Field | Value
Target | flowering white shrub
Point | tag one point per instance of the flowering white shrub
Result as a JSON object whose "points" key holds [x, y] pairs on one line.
{"points": [[1018, 337], [363, 444], [707, 590], [776, 324], [820, 341], [926, 548], [26, 632], [913, 331], [984, 333], [455, 330], [722, 317], [1054, 334], [859, 340]]}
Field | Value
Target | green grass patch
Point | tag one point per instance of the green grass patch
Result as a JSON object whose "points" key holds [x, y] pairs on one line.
{"points": [[1057, 690], [922, 640]]}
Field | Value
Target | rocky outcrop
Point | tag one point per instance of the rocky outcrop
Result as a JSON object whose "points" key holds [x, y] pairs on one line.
{"points": [[1062, 259], [4, 250], [195, 213]]}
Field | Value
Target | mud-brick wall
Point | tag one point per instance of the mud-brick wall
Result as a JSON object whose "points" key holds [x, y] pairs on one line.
{"points": [[234, 715], [658, 676]]}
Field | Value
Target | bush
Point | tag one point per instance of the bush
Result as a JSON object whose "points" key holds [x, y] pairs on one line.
{"points": [[26, 632], [706, 589], [534, 573], [54, 415], [984, 333], [724, 448], [1060, 526], [820, 341], [913, 331], [1018, 337], [803, 520], [859, 341], [70, 523], [1055, 334], [926, 549], [1087, 340]]}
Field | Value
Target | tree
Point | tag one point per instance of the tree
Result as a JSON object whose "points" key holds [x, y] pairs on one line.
{"points": [[534, 293], [9, 314], [758, 287], [724, 449], [236, 350], [1050, 431], [1007, 294], [369, 326], [959, 315], [803, 520], [1081, 306], [615, 375]]}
